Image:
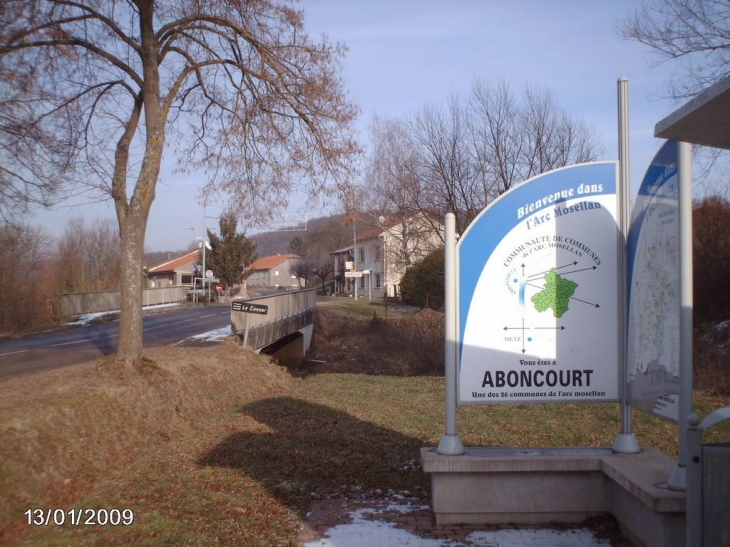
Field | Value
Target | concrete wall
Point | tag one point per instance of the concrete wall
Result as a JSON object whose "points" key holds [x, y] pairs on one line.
{"points": [[541, 485]]}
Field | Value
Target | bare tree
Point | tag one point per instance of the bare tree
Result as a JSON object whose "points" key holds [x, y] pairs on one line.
{"points": [[399, 201], [461, 156], [248, 96], [392, 177], [695, 33], [323, 271], [496, 138], [517, 140], [24, 286], [447, 171], [553, 138], [88, 258]]}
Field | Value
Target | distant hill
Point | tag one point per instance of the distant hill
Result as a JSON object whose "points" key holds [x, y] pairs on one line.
{"points": [[271, 243], [330, 233]]}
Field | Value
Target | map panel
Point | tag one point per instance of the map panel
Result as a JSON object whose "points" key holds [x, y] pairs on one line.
{"points": [[654, 279]]}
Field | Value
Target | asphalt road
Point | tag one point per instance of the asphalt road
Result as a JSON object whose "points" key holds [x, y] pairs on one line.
{"points": [[57, 348]]}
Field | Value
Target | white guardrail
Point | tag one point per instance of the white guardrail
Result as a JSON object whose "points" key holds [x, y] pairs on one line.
{"points": [[100, 301]]}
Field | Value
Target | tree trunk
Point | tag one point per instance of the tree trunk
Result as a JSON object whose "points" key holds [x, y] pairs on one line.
{"points": [[129, 349], [133, 214]]}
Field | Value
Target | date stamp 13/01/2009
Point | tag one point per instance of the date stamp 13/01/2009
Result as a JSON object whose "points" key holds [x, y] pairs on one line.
{"points": [[79, 517]]}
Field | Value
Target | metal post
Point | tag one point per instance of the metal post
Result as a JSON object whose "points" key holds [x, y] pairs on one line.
{"points": [[625, 442], [450, 442], [693, 517], [354, 254], [678, 478], [205, 240]]}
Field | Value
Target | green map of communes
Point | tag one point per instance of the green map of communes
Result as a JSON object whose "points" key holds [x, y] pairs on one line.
{"points": [[555, 295]]}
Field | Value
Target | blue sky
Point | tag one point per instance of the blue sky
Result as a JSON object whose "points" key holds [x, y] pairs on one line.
{"points": [[404, 54]]}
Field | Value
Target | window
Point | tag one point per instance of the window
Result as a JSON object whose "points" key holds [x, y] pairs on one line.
{"points": [[362, 255], [377, 253], [377, 281], [362, 282]]}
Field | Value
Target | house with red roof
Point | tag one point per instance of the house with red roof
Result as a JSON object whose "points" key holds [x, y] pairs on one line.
{"points": [[178, 271], [274, 272]]}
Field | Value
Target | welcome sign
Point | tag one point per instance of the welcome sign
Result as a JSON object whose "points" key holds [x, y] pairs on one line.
{"points": [[537, 299]]}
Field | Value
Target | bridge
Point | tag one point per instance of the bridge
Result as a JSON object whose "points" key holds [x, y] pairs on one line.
{"points": [[279, 324]]}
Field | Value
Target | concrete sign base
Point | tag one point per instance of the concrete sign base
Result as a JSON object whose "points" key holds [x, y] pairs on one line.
{"points": [[541, 485]]}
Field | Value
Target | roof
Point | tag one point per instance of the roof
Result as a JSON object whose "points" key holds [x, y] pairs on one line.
{"points": [[703, 120], [268, 262], [175, 263], [370, 234], [345, 250]]}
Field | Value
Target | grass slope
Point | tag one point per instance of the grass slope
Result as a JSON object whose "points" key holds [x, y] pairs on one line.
{"points": [[217, 446]]}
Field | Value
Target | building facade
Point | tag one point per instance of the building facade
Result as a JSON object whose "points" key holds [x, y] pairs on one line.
{"points": [[177, 271], [379, 257], [274, 272]]}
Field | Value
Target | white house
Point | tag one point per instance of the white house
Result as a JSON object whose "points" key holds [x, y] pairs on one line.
{"points": [[379, 256], [274, 272], [177, 271]]}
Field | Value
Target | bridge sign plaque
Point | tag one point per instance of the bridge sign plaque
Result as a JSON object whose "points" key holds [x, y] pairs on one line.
{"points": [[249, 307]]}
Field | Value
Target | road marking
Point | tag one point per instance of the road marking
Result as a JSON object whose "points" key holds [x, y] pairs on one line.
{"points": [[184, 321], [13, 352], [157, 327], [70, 343], [209, 315]]}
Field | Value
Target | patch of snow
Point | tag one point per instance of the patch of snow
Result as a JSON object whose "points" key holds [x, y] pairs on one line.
{"points": [[369, 532], [402, 308], [87, 318], [217, 334]]}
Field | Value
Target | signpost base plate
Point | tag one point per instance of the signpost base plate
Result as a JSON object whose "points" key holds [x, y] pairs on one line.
{"points": [[626, 443], [450, 445]]}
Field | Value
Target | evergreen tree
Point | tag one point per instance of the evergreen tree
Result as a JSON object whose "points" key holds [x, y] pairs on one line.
{"points": [[230, 253]]}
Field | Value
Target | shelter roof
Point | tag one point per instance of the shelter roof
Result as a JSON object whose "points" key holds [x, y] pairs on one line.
{"points": [[703, 120]]}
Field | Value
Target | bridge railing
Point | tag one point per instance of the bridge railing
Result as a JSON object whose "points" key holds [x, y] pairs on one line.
{"points": [[252, 313]]}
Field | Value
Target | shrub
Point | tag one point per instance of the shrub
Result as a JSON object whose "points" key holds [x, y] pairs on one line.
{"points": [[423, 283], [711, 235]]}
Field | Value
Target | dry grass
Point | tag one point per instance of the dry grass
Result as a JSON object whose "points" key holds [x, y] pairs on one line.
{"points": [[62, 432], [217, 446], [404, 345]]}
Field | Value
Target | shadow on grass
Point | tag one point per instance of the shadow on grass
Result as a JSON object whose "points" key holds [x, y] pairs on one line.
{"points": [[315, 452]]}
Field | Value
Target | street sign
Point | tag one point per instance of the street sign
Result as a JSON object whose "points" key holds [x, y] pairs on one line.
{"points": [[249, 307], [353, 274]]}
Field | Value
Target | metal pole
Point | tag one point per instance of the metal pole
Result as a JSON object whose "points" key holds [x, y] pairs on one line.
{"points": [[354, 254], [450, 442], [693, 517], [678, 477], [625, 442], [205, 240]]}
